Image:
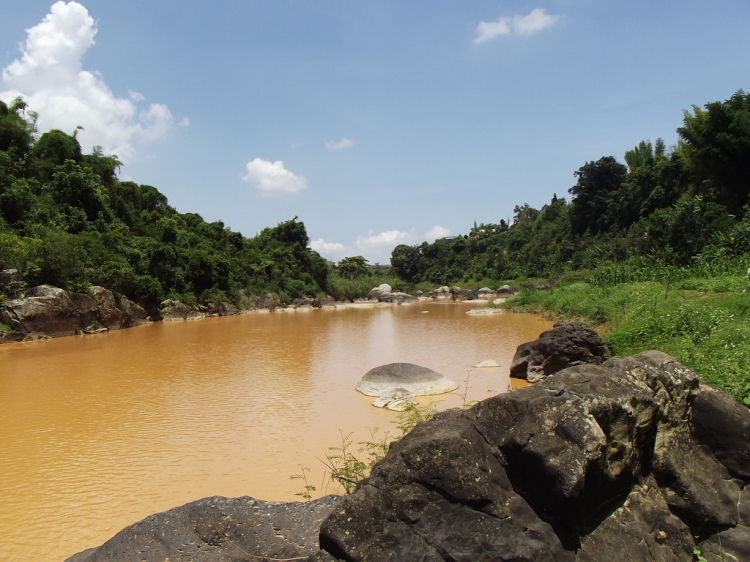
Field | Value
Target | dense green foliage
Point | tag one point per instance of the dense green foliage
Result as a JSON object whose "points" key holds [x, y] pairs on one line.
{"points": [[66, 220], [671, 204], [698, 318]]}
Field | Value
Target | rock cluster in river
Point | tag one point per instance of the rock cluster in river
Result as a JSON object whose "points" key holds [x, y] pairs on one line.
{"points": [[633, 459]]}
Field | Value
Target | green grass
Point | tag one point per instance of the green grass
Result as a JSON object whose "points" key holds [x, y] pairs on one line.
{"points": [[703, 323]]}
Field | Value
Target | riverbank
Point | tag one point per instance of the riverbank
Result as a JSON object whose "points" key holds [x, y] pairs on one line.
{"points": [[45, 312], [703, 323]]}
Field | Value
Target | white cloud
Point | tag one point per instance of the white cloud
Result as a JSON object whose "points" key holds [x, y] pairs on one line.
{"points": [[487, 30], [50, 77], [333, 251], [536, 20], [338, 145], [436, 232], [271, 178], [376, 247]]}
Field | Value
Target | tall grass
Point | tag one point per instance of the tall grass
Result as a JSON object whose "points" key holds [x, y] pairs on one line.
{"points": [[706, 329]]}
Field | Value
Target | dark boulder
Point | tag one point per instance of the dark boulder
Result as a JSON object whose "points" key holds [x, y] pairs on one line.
{"points": [[567, 344], [219, 530], [596, 463], [460, 294]]}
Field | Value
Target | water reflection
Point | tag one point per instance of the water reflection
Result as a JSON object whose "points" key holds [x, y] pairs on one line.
{"points": [[100, 431]]}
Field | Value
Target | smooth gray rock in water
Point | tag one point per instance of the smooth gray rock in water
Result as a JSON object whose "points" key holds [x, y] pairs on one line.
{"points": [[219, 529], [487, 364], [395, 400], [419, 381], [376, 292]]}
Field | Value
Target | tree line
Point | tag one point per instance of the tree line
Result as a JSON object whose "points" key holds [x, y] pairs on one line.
{"points": [[672, 204], [67, 220]]}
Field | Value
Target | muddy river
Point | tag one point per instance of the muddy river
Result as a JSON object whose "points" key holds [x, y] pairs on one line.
{"points": [[100, 431]]}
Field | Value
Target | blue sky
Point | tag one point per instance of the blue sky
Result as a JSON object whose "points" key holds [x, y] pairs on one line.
{"points": [[376, 123]]}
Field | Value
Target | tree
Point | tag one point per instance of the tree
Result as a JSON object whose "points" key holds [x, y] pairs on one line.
{"points": [[352, 267], [407, 262], [592, 206], [716, 144]]}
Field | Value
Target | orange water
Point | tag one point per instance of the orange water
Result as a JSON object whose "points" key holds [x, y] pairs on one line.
{"points": [[100, 431]]}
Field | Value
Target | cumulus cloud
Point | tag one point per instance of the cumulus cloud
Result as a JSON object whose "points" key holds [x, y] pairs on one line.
{"points": [[338, 145], [272, 178], [376, 247], [536, 20], [49, 76]]}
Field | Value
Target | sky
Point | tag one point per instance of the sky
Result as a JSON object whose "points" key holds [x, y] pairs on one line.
{"points": [[375, 123]]}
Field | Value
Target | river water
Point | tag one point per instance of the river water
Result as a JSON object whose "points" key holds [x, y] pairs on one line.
{"points": [[100, 431]]}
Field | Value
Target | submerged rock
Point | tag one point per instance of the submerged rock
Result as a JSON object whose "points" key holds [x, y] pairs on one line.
{"points": [[395, 400], [486, 364], [419, 381], [567, 344]]}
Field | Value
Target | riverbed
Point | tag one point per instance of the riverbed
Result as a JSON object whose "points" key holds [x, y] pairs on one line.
{"points": [[100, 431]]}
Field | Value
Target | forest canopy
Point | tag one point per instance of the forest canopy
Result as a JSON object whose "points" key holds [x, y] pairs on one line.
{"points": [[67, 220], [672, 204]]}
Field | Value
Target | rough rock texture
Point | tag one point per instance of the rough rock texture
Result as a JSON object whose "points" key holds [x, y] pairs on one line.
{"points": [[11, 283], [376, 292], [268, 301], [395, 400], [459, 294], [50, 312], [598, 462], [173, 310], [567, 344], [219, 530], [417, 380], [219, 309], [396, 296]]}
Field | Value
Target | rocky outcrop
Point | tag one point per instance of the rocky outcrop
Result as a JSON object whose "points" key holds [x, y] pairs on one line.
{"points": [[219, 530], [114, 311], [11, 283], [396, 297], [414, 379], [376, 292], [632, 459], [268, 301], [171, 310], [49, 312], [460, 294], [567, 344]]}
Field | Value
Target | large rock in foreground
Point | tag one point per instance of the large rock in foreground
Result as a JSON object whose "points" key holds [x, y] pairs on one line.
{"points": [[417, 380], [219, 530], [630, 460], [567, 344]]}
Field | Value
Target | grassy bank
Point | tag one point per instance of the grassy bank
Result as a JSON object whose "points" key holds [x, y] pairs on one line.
{"points": [[702, 321]]}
